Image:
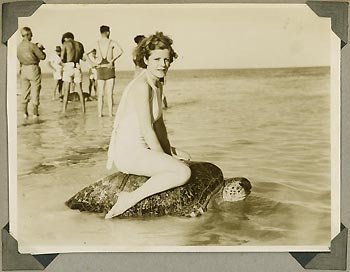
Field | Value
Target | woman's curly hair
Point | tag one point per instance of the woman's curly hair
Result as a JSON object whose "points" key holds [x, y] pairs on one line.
{"points": [[153, 42]]}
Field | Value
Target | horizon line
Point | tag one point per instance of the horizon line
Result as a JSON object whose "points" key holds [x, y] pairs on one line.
{"points": [[208, 69]]}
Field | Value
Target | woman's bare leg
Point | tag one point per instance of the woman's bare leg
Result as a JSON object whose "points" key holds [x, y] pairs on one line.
{"points": [[165, 172]]}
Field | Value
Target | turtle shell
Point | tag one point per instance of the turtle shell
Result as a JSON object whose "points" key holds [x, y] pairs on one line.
{"points": [[190, 199]]}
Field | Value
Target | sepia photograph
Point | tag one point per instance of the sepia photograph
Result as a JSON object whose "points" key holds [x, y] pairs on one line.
{"points": [[174, 128]]}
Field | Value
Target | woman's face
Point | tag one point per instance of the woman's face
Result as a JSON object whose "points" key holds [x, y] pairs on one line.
{"points": [[158, 63]]}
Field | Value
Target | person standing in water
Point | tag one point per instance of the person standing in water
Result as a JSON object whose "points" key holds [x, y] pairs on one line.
{"points": [[107, 52], [29, 56], [72, 54], [55, 64], [139, 142]]}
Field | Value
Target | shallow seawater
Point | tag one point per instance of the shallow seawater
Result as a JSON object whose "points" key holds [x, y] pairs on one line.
{"points": [[271, 126]]}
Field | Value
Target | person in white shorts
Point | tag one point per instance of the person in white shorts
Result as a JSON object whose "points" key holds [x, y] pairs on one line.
{"points": [[72, 53]]}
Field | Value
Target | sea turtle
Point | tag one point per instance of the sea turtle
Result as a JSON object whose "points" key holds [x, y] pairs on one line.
{"points": [[190, 199]]}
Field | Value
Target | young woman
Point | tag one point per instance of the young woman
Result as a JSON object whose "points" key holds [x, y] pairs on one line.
{"points": [[139, 142], [138, 69]]}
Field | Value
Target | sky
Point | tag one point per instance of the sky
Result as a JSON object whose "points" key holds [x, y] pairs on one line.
{"points": [[206, 36]]}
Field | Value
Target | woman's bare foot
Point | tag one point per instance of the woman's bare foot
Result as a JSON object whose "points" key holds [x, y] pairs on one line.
{"points": [[124, 202]]}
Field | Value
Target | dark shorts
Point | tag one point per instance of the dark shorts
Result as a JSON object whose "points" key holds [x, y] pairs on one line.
{"points": [[105, 73]]}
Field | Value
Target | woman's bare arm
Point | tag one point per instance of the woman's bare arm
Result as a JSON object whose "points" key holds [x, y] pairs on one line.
{"points": [[141, 101], [162, 135]]}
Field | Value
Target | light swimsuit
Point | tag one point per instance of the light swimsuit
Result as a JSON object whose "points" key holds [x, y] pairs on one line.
{"points": [[103, 71], [72, 72], [127, 141]]}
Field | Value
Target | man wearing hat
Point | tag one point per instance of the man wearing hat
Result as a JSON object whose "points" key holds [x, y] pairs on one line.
{"points": [[29, 56], [55, 64]]}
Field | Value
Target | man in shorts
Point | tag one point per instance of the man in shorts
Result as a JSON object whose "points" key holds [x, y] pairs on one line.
{"points": [[55, 64], [29, 56], [107, 52], [72, 53]]}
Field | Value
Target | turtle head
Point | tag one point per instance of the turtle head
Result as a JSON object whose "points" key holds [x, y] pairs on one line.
{"points": [[236, 189]]}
